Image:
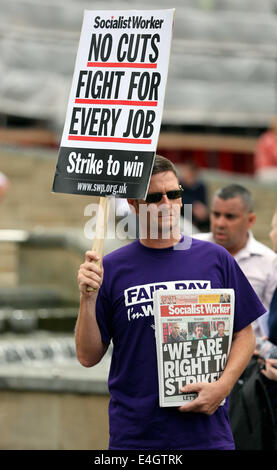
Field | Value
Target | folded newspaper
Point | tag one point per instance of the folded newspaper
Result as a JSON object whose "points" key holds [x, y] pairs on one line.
{"points": [[193, 332]]}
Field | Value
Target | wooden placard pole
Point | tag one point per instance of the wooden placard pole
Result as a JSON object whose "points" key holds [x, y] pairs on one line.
{"points": [[100, 233]]}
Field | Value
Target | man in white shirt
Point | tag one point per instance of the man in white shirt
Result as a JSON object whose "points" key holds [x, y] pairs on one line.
{"points": [[231, 218]]}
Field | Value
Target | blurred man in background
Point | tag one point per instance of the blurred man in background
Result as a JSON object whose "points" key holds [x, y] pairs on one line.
{"points": [[231, 218], [194, 193]]}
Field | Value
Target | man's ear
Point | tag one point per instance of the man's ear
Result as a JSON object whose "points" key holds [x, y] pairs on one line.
{"points": [[134, 204], [251, 219]]}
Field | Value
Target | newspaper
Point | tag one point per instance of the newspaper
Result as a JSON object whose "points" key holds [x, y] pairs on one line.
{"points": [[193, 332]]}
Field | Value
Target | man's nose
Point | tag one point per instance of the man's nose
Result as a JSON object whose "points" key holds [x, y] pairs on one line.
{"points": [[220, 221], [165, 199]]}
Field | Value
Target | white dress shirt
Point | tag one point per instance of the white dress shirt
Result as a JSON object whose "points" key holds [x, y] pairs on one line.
{"points": [[258, 263]]}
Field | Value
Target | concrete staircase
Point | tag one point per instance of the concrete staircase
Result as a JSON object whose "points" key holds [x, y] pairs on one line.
{"points": [[222, 68], [30, 205]]}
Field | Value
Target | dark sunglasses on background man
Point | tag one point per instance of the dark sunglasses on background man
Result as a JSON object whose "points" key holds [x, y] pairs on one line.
{"points": [[157, 197]]}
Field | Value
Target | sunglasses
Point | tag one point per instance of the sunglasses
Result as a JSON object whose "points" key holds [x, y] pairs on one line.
{"points": [[157, 197]]}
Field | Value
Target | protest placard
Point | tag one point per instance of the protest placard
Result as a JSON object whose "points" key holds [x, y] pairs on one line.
{"points": [[115, 105]]}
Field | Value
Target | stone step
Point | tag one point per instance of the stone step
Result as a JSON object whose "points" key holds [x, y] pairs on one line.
{"points": [[30, 297], [244, 7], [8, 266], [8, 279], [216, 68]]}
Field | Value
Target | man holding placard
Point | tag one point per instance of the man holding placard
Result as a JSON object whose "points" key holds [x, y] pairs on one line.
{"points": [[108, 148], [120, 309]]}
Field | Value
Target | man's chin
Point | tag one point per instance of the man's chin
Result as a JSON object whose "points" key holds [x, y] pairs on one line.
{"points": [[167, 231], [221, 240]]}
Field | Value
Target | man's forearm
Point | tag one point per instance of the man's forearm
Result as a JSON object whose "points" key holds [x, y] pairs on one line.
{"points": [[242, 348], [211, 394], [89, 346]]}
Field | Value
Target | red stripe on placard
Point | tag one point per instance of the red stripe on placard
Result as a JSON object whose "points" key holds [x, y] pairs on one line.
{"points": [[119, 102], [122, 140], [122, 64]]}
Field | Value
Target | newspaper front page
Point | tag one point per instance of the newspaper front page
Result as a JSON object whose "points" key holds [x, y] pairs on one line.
{"points": [[193, 332]]}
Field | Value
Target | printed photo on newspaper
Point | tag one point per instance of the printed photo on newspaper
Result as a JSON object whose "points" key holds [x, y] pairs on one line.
{"points": [[193, 332]]}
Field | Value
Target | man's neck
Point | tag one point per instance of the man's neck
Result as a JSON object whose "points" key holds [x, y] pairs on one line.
{"points": [[160, 243], [235, 250]]}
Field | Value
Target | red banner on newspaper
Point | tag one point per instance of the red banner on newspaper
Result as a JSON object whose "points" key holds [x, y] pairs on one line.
{"points": [[195, 309]]}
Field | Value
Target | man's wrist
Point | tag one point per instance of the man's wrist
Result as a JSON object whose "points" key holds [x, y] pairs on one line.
{"points": [[88, 297], [225, 386]]}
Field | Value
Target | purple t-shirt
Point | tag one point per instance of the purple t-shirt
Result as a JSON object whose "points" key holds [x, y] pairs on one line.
{"points": [[125, 316]]}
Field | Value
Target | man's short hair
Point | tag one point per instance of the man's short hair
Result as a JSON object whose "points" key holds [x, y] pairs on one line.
{"points": [[162, 164], [235, 190]]}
